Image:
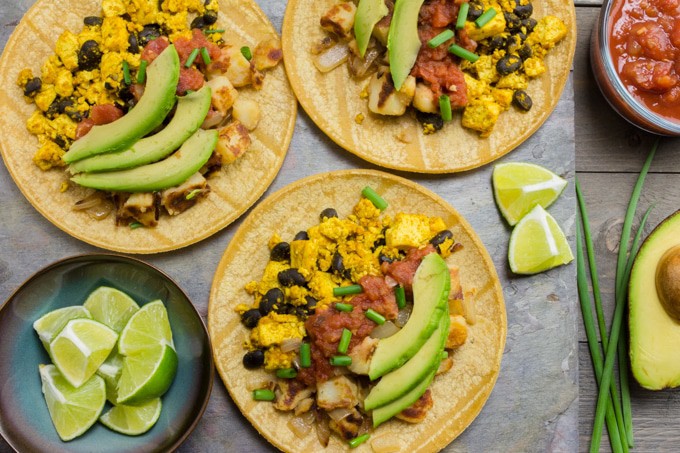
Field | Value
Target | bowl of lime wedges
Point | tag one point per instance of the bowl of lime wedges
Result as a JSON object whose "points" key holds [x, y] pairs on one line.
{"points": [[101, 353]]}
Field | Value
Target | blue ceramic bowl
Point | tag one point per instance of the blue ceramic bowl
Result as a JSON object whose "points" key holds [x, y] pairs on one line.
{"points": [[24, 420]]}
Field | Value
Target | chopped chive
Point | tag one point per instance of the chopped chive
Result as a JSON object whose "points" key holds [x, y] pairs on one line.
{"points": [[135, 225], [305, 355], [126, 73], [440, 39], [445, 107], [485, 18], [444, 355], [345, 338], [462, 15], [359, 440], [263, 395], [192, 57], [341, 360], [214, 30], [286, 373], [205, 55], [463, 53], [375, 316], [344, 307], [378, 201], [347, 290], [245, 51], [141, 74], [192, 194], [400, 294]]}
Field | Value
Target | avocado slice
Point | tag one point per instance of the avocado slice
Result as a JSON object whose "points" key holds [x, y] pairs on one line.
{"points": [[396, 383], [384, 413], [190, 113], [369, 13], [654, 333], [403, 41], [168, 172], [157, 100], [431, 285]]}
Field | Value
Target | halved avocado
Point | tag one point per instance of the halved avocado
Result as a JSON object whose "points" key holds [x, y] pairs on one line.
{"points": [[431, 285], [403, 41], [654, 330], [369, 13], [190, 113], [169, 172], [157, 100]]}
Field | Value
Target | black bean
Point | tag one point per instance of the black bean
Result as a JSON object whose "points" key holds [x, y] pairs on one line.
{"points": [[430, 118], [253, 359], [497, 42], [440, 238], [522, 100], [476, 10], [382, 258], [521, 36], [337, 264], [301, 236], [251, 317], [210, 17], [32, 86], [92, 21], [525, 52], [59, 106], [133, 47], [198, 22], [512, 22], [271, 298], [280, 252], [508, 64], [311, 304], [285, 309], [529, 24], [524, 11], [299, 312], [290, 277], [89, 55], [148, 33], [328, 213], [59, 140]]}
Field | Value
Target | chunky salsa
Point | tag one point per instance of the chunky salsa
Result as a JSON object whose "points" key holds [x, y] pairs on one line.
{"points": [[645, 47]]}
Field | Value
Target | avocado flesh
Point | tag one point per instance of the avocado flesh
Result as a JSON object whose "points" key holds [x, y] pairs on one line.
{"points": [[369, 13], [654, 335], [169, 172], [190, 113], [431, 285], [158, 99], [384, 413], [396, 383], [403, 41]]}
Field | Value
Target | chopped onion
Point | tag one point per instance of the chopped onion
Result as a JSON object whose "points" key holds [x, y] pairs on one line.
{"points": [[390, 281], [290, 344], [88, 202], [299, 426], [385, 330], [324, 44], [339, 413], [360, 67], [323, 430], [96, 205], [403, 315], [101, 211], [332, 58]]}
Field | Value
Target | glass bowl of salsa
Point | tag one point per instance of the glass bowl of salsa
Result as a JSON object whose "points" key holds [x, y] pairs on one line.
{"points": [[635, 56]]}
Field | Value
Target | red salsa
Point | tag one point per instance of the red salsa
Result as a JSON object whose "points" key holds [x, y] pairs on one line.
{"points": [[645, 48]]}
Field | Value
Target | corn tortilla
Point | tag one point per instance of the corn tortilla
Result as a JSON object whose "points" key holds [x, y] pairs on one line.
{"points": [[234, 189], [332, 101], [458, 395]]}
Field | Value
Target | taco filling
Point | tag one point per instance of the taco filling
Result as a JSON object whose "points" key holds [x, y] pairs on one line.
{"points": [[475, 57], [99, 76], [333, 302]]}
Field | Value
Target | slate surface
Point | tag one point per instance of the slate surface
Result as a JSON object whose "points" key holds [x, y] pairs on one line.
{"points": [[534, 405]]}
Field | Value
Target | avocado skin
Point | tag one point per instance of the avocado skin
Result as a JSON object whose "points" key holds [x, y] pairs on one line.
{"points": [[369, 13], [654, 336], [403, 41], [156, 102], [170, 172], [190, 114]]}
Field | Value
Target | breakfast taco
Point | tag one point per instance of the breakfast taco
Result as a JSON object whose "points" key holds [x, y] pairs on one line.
{"points": [[369, 315], [429, 86], [147, 126]]}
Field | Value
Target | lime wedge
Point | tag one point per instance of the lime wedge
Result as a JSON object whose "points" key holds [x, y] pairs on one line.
{"points": [[111, 307], [110, 371], [132, 420], [148, 328], [147, 374], [518, 187], [80, 347], [50, 324], [537, 243], [73, 410]]}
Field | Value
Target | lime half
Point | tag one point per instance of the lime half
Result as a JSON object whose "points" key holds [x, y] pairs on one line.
{"points": [[518, 187], [111, 307], [147, 374], [148, 328], [73, 410], [537, 243], [50, 324], [132, 420]]}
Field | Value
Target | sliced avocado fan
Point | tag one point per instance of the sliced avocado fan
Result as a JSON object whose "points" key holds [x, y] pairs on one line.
{"points": [[403, 41]]}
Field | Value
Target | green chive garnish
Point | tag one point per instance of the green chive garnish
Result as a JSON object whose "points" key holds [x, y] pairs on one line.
{"points": [[192, 57], [205, 55], [126, 73], [445, 107], [440, 39], [214, 30], [245, 50], [378, 201], [463, 53], [344, 307], [444, 355], [375, 316], [135, 225], [192, 194], [141, 74], [305, 355], [400, 294], [345, 338], [485, 17], [358, 440], [347, 290], [462, 15], [286, 373], [263, 395], [341, 360]]}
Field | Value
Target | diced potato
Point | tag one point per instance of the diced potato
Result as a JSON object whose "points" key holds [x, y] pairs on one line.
{"points": [[425, 100], [223, 94], [384, 99], [337, 392], [142, 208], [267, 54], [340, 19], [233, 64], [233, 142], [247, 112], [458, 332], [290, 393], [381, 30], [178, 199]]}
